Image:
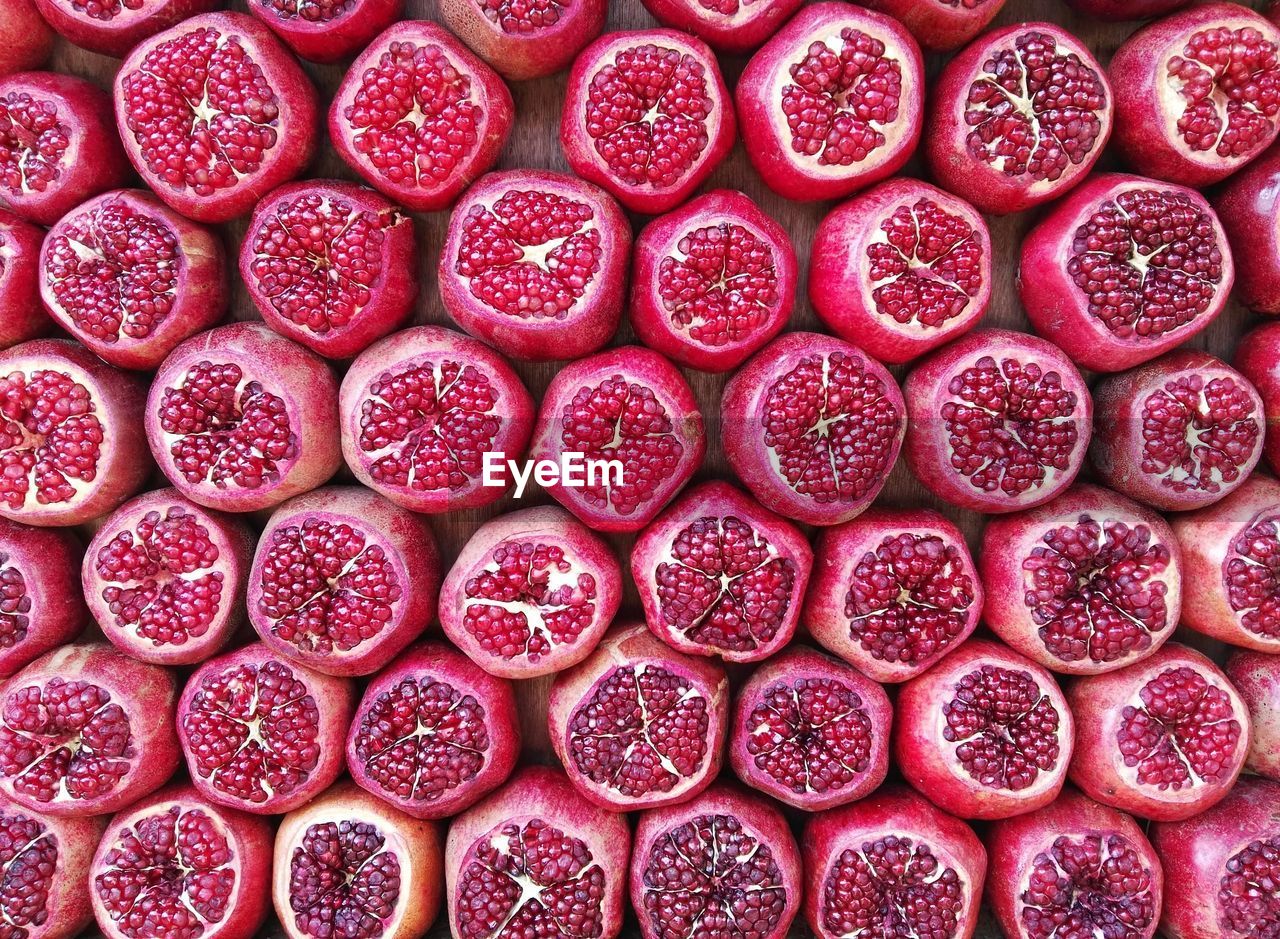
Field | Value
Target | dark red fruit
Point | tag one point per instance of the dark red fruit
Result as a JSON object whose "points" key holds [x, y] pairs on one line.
{"points": [[327, 30], [1258, 359], [26, 41], [733, 26], [41, 607], [941, 25], [21, 315], [46, 863], [1256, 676], [525, 39], [1249, 212], [113, 27]]}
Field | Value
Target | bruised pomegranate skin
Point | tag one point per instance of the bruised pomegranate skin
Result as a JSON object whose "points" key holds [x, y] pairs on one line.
{"points": [[891, 864], [731, 26], [1249, 212], [1075, 867], [1256, 677], [26, 41], [327, 30], [637, 725], [812, 426], [525, 40], [114, 27], [22, 318], [833, 102], [535, 264], [44, 871], [41, 606], [434, 733], [722, 864], [348, 864], [419, 410], [214, 114], [941, 25], [261, 733], [175, 864], [712, 282], [1258, 359], [418, 116], [536, 859], [531, 593], [810, 731]]}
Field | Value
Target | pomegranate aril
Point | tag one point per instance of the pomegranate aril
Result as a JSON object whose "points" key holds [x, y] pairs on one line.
{"points": [[46, 862]]}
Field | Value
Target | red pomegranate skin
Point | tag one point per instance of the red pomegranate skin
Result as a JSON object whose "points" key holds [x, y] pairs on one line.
{"points": [[114, 29], [1258, 359], [26, 40], [735, 27], [1256, 676], [1112, 11], [327, 32], [1248, 208], [41, 607], [524, 41], [21, 315], [941, 27]]}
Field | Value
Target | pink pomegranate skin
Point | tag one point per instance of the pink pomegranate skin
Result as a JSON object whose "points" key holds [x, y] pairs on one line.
{"points": [[21, 316], [1073, 861], [114, 29], [529, 40], [867, 124], [804, 403], [327, 32], [1249, 211], [1256, 676], [1114, 11], [891, 861], [26, 41], [941, 26], [41, 606], [1164, 738], [1258, 359], [47, 861], [985, 733], [531, 593], [713, 281], [810, 731], [691, 863], [535, 264], [434, 733], [489, 884], [735, 26], [672, 711]]}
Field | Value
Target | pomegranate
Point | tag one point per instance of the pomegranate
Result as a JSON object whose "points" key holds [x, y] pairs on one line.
{"points": [[327, 30], [1250, 215], [21, 316], [240, 418], [215, 113], [26, 41], [1197, 93], [647, 116], [633, 418], [637, 725], [891, 865], [722, 864], [331, 265], [1221, 866], [985, 733], [535, 263], [810, 731], [1085, 584], [523, 40], [41, 606], [1073, 868], [434, 733], [713, 281], [732, 26], [45, 862], [177, 865], [720, 575], [1109, 11], [57, 145], [347, 864], [1256, 677], [1124, 269], [130, 278], [419, 117], [941, 25], [165, 578], [813, 426], [71, 445], [833, 102], [893, 591], [419, 411], [531, 593], [1018, 117], [116, 26], [536, 859], [86, 730], [901, 268], [261, 733], [1178, 433], [1258, 359]]}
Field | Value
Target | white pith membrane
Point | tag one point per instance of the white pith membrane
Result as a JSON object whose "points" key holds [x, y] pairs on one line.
{"points": [[36, 141], [1263, 603], [25, 857]]}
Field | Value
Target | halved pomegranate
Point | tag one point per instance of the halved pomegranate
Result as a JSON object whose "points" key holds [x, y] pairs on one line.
{"points": [[713, 281], [833, 102], [177, 865], [1249, 212], [327, 30], [240, 418], [535, 263], [46, 862], [1256, 677], [941, 25], [347, 864], [638, 725], [260, 733], [1258, 359], [116, 26], [420, 410], [26, 41], [891, 865], [720, 575], [40, 605], [536, 859], [531, 593], [21, 316], [810, 731], [523, 39], [165, 578], [647, 116], [331, 265], [1124, 269], [418, 116], [734, 26], [214, 114], [722, 864]]}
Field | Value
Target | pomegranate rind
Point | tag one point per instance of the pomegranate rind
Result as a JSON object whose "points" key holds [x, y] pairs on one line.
{"points": [[41, 608], [22, 318], [583, 554], [581, 148], [720, 502], [1256, 678], [792, 670], [26, 41], [518, 55], [1118, 11], [759, 94], [592, 319], [1248, 206], [437, 664], [328, 40], [124, 27], [655, 322], [1258, 359], [749, 25], [66, 909], [941, 27]]}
